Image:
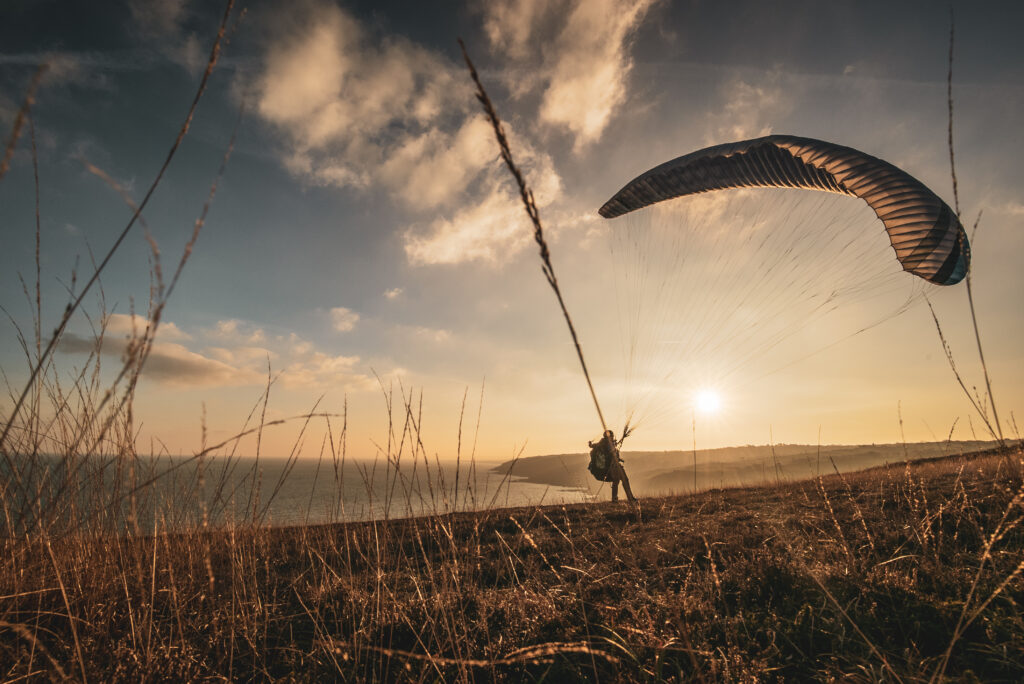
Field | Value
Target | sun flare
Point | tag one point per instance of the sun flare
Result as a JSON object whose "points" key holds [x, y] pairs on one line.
{"points": [[708, 401]]}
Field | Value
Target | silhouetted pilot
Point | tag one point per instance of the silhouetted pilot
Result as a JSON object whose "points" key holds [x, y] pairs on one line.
{"points": [[606, 464]]}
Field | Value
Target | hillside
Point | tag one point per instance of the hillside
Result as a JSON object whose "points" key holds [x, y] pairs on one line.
{"points": [[666, 472], [910, 571]]}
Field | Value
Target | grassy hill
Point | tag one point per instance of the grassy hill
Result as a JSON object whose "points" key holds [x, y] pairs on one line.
{"points": [[904, 572]]}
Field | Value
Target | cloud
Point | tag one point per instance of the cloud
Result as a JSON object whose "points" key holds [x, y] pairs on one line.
{"points": [[247, 347], [749, 108], [236, 332], [176, 365], [486, 231], [588, 76], [233, 359], [157, 16], [321, 370], [63, 68], [252, 358], [584, 69], [361, 112], [128, 324], [428, 170], [494, 227], [358, 111], [343, 319], [160, 24], [509, 24], [438, 335], [168, 362], [393, 293], [1011, 208]]}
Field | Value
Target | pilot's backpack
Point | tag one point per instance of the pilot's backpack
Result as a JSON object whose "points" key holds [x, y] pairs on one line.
{"points": [[600, 461]]}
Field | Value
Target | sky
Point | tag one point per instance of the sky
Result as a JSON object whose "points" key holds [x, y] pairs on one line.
{"points": [[365, 241]]}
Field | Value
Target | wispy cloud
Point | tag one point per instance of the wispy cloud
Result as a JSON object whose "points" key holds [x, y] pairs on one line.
{"points": [[487, 231], [300, 363], [161, 24], [492, 227], [749, 108], [236, 332], [64, 67], [158, 16], [588, 75], [320, 370], [438, 335], [1011, 208], [510, 24], [584, 67], [168, 362], [231, 353], [129, 324], [160, 29], [343, 319]]}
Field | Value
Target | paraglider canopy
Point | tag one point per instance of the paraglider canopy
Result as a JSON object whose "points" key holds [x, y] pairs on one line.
{"points": [[721, 290], [925, 233]]}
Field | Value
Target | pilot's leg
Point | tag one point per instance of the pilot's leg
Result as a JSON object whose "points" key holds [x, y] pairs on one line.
{"points": [[625, 485]]}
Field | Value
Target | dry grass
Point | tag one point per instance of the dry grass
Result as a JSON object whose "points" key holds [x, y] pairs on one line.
{"points": [[894, 573]]}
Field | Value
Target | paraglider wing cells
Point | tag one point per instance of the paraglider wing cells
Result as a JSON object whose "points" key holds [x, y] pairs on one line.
{"points": [[928, 238]]}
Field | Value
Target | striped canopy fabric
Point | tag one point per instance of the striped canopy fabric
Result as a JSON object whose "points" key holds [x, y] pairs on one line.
{"points": [[928, 238]]}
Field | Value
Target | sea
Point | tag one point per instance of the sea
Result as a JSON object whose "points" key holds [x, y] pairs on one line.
{"points": [[177, 492], [312, 493]]}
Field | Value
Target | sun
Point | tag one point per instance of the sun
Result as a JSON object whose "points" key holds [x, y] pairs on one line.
{"points": [[708, 401]]}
